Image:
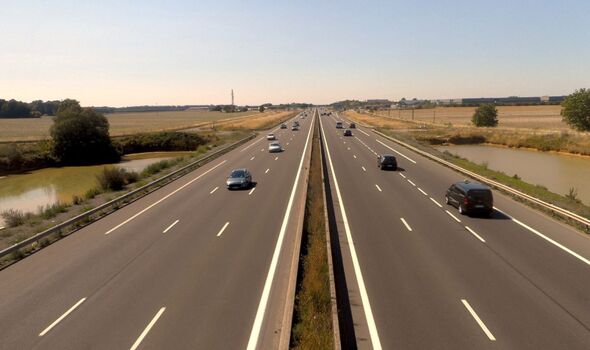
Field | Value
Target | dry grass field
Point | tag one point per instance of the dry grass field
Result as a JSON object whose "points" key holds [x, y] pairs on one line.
{"points": [[121, 123], [527, 117], [261, 121]]}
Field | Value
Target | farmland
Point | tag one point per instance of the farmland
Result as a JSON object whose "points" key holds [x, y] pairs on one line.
{"points": [[31, 129], [523, 117]]}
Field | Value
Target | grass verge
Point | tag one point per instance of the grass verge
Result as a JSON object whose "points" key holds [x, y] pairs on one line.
{"points": [[569, 202], [312, 318]]}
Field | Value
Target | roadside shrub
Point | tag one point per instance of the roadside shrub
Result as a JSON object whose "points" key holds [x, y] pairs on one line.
{"points": [[155, 168], [576, 110], [51, 210], [91, 193], [485, 115], [77, 199], [161, 141], [114, 178], [14, 217]]}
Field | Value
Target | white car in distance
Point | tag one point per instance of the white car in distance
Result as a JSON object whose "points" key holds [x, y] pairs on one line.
{"points": [[271, 137]]}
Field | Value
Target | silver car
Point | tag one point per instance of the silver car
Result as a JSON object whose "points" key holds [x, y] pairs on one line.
{"points": [[271, 136], [239, 179], [274, 147]]}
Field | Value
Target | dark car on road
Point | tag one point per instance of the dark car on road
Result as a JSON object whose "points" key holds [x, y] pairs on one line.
{"points": [[239, 179], [352, 126], [283, 126], [347, 132], [387, 161], [470, 198]]}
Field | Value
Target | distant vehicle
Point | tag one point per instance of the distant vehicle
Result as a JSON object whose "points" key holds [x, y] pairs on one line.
{"points": [[296, 123], [283, 126], [470, 197], [387, 161], [347, 132], [338, 125], [274, 147], [352, 126], [239, 179], [271, 137], [295, 127]]}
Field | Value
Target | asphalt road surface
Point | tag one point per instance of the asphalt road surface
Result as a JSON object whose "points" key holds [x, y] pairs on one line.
{"points": [[422, 276], [190, 266]]}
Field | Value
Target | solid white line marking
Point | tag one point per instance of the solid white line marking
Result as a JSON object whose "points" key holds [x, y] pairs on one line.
{"points": [[475, 234], [401, 154], [555, 243], [276, 158], [453, 216], [363, 132], [169, 227], [424, 193], [252, 158], [355, 261], [354, 155], [223, 229], [252, 190], [478, 320], [213, 190], [164, 198], [435, 202], [402, 175], [410, 181], [364, 168], [147, 329], [61, 317], [267, 170], [255, 333], [379, 188], [405, 223]]}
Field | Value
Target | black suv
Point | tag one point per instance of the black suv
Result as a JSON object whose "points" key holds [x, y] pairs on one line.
{"points": [[470, 197], [352, 126], [347, 132], [387, 161]]}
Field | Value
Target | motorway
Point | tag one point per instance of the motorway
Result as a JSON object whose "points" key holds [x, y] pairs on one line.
{"points": [[422, 276], [189, 266]]}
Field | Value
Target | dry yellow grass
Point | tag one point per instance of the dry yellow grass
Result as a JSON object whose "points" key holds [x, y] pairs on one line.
{"points": [[527, 117], [121, 123], [260, 121], [380, 122]]}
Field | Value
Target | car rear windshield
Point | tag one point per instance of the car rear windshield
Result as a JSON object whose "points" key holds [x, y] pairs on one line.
{"points": [[388, 158], [238, 173], [480, 194]]}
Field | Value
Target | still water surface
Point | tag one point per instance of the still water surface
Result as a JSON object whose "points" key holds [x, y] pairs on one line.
{"points": [[557, 172], [29, 191]]}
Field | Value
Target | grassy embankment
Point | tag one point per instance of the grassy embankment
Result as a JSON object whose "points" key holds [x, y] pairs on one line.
{"points": [[312, 319], [569, 202], [534, 127]]}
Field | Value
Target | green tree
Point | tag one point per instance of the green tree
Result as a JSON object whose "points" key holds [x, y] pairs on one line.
{"points": [[261, 109], [485, 115], [81, 135], [576, 110]]}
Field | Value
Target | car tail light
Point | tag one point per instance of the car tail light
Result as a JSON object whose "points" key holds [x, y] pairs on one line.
{"points": [[466, 201]]}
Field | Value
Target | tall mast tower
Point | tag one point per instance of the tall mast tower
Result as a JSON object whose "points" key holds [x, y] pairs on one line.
{"points": [[232, 97]]}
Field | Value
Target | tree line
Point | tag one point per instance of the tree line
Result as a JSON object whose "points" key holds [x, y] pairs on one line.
{"points": [[18, 109]]}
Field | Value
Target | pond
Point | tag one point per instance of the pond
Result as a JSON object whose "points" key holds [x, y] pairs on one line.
{"points": [[30, 191], [557, 172]]}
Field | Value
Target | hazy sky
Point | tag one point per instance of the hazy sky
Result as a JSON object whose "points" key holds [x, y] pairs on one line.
{"points": [[193, 52]]}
